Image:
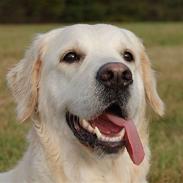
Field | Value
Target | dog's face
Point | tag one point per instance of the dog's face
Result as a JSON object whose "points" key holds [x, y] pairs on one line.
{"points": [[94, 76]]}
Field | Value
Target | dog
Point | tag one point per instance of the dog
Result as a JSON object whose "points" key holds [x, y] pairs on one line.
{"points": [[85, 89]]}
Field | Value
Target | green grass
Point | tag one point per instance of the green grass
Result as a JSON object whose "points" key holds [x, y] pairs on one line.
{"points": [[164, 43]]}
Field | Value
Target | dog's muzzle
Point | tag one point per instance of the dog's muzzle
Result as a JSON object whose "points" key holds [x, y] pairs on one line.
{"points": [[110, 130]]}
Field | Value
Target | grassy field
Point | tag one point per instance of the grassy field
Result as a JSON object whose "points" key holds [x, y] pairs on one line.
{"points": [[164, 43]]}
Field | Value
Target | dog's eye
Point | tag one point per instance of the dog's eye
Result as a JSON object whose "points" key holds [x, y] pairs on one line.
{"points": [[71, 57], [128, 56]]}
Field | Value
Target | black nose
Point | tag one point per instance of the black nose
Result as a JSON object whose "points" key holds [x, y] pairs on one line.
{"points": [[114, 75]]}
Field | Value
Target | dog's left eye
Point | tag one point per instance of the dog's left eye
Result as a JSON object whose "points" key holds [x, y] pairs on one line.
{"points": [[128, 56], [71, 57]]}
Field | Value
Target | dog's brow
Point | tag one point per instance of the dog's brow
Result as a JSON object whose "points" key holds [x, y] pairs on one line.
{"points": [[75, 46]]}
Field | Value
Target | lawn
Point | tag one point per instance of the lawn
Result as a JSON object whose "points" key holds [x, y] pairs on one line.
{"points": [[164, 42]]}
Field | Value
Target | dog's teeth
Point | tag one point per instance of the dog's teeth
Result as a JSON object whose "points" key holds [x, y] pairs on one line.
{"points": [[112, 139], [87, 126], [102, 138], [121, 133], [117, 138], [90, 129], [84, 123], [97, 132], [107, 139]]}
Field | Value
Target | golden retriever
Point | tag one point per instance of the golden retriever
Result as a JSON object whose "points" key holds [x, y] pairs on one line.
{"points": [[85, 89]]}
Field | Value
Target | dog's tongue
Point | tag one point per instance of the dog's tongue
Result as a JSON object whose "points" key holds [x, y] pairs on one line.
{"points": [[131, 138]]}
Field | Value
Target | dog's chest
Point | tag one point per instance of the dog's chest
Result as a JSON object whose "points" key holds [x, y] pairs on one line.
{"points": [[100, 173]]}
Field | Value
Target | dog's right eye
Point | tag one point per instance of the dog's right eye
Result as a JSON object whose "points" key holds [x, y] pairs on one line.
{"points": [[71, 57]]}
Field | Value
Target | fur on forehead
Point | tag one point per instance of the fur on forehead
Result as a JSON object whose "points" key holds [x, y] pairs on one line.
{"points": [[90, 32]]}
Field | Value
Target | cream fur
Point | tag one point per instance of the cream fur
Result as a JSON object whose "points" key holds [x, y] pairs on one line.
{"points": [[43, 88]]}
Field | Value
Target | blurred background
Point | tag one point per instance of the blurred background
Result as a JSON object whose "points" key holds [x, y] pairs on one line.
{"points": [[34, 11], [158, 23]]}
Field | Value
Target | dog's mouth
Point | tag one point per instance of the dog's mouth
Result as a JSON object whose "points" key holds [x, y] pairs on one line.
{"points": [[109, 132]]}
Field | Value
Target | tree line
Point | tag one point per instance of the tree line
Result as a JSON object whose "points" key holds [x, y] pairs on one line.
{"points": [[63, 11]]}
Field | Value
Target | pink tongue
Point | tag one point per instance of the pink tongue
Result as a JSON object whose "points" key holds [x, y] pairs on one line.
{"points": [[132, 141]]}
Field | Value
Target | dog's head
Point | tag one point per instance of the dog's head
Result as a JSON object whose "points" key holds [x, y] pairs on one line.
{"points": [[93, 78]]}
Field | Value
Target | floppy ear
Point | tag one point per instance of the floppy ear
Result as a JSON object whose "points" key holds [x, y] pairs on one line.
{"points": [[23, 80], [150, 85]]}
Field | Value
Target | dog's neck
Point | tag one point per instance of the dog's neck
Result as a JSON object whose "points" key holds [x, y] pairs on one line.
{"points": [[50, 149]]}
